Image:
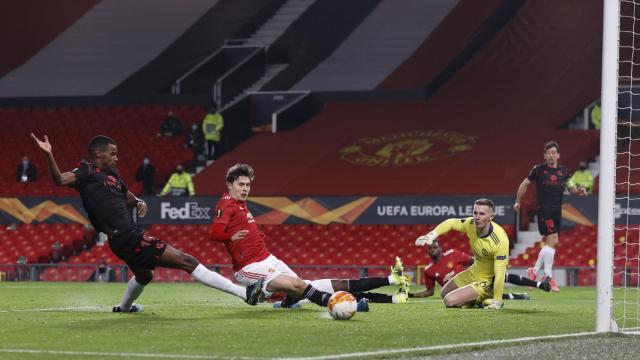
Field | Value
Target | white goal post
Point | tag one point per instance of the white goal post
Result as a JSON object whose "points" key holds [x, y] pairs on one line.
{"points": [[607, 191]]}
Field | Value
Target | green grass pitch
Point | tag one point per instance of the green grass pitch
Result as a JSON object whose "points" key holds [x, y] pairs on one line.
{"points": [[74, 320]]}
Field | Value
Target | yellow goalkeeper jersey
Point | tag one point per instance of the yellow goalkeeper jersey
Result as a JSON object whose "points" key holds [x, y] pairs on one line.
{"points": [[491, 253]]}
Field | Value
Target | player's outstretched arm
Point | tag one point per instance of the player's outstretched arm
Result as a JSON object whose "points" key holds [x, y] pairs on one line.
{"points": [[443, 228], [522, 189], [60, 179], [422, 294]]}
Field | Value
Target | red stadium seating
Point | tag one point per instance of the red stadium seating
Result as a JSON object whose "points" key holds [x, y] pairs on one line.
{"points": [[134, 128], [309, 248]]}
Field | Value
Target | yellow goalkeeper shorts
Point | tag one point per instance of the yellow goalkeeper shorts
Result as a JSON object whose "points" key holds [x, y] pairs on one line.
{"points": [[483, 286]]}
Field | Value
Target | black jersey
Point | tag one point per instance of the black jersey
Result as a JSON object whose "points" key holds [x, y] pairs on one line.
{"points": [[104, 197], [550, 185]]}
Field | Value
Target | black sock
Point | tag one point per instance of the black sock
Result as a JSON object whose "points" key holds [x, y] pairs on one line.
{"points": [[365, 284], [519, 280], [288, 301], [514, 296], [374, 297], [316, 296]]}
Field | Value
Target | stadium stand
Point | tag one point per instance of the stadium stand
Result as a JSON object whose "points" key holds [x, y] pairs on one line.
{"points": [[315, 247], [36, 27], [377, 46], [134, 128], [314, 159], [309, 40], [229, 19], [272, 29], [446, 42], [310, 248], [131, 34]]}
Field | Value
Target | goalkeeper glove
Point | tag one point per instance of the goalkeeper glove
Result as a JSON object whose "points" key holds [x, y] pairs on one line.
{"points": [[427, 239], [492, 304]]}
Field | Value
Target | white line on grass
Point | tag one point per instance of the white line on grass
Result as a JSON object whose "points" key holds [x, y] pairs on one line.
{"points": [[439, 347], [108, 308], [67, 308], [107, 354], [336, 356]]}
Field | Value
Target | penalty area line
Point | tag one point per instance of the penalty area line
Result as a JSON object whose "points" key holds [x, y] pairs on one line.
{"points": [[442, 347]]}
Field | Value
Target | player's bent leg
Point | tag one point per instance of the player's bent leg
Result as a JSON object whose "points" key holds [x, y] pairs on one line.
{"points": [[552, 240], [297, 288], [176, 259], [461, 296], [448, 287], [339, 285]]}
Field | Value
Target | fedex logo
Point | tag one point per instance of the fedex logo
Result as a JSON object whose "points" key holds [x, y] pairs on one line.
{"points": [[190, 211]]}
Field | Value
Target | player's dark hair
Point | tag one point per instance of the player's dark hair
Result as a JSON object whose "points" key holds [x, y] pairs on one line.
{"points": [[238, 170], [99, 142], [551, 144], [485, 201]]}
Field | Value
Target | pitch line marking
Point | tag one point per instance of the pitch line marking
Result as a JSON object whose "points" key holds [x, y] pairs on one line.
{"points": [[107, 354], [440, 347], [336, 356], [67, 308]]}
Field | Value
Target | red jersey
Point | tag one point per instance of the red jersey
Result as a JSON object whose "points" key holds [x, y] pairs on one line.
{"points": [[235, 216], [451, 260]]}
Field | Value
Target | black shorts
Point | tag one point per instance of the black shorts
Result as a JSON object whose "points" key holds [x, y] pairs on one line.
{"points": [[549, 221], [138, 249]]}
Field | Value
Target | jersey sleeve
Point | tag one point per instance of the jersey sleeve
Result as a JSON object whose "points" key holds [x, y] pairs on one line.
{"points": [[82, 172], [429, 282], [450, 224], [500, 262], [532, 174], [222, 216]]}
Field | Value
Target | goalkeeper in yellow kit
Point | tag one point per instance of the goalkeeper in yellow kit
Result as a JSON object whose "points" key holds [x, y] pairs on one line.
{"points": [[484, 280]]}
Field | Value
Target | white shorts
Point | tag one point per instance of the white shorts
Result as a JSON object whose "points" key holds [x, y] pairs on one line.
{"points": [[268, 269]]}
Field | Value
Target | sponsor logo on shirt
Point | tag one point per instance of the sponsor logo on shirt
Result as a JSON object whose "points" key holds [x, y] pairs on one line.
{"points": [[111, 181]]}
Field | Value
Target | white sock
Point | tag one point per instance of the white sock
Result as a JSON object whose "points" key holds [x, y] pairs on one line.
{"points": [[548, 262], [134, 289], [217, 281], [323, 285], [391, 280], [541, 259]]}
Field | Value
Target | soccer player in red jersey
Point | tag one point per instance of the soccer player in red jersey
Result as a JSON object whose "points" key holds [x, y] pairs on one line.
{"points": [[235, 227], [445, 265]]}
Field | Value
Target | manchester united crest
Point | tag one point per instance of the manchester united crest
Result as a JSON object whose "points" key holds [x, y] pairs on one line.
{"points": [[407, 148]]}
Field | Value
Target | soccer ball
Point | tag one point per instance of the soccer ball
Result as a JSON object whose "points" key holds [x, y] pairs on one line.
{"points": [[342, 305]]}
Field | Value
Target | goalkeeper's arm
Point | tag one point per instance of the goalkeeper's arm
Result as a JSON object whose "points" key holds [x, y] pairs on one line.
{"points": [[443, 228]]}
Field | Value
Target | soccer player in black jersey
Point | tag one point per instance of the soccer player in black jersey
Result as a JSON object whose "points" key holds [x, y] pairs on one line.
{"points": [[108, 203], [551, 179]]}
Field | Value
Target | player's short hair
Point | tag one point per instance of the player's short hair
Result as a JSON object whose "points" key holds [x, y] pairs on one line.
{"points": [[238, 170], [485, 201], [551, 144], [99, 142]]}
